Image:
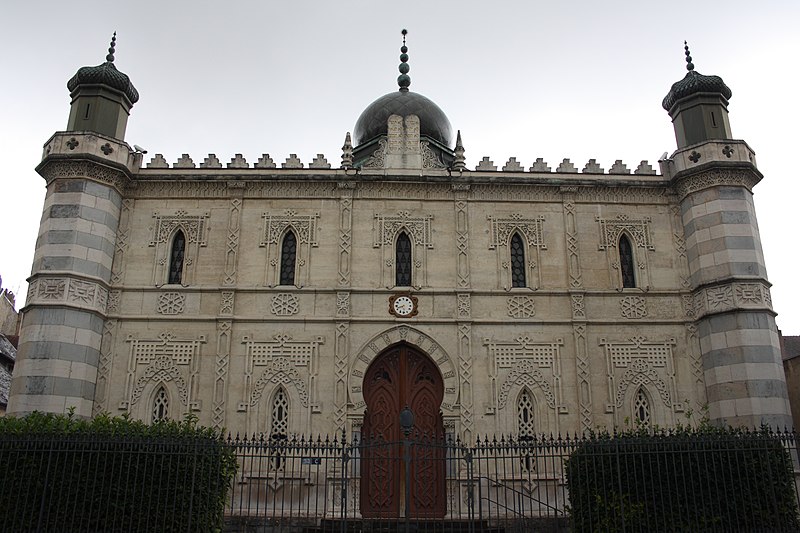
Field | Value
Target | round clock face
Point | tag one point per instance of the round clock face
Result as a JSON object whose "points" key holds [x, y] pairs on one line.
{"points": [[403, 306]]}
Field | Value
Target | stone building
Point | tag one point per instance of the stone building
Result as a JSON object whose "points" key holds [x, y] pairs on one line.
{"points": [[290, 298]]}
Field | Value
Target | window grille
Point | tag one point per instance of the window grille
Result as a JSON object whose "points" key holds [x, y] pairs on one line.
{"points": [[288, 258], [626, 264], [525, 426], [176, 258], [279, 428], [403, 261], [641, 408], [160, 405], [517, 261]]}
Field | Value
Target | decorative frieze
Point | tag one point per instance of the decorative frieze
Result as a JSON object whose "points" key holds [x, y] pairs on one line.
{"points": [[726, 297], [72, 291]]}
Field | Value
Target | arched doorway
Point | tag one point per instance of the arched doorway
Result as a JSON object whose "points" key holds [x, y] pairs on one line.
{"points": [[402, 376]]}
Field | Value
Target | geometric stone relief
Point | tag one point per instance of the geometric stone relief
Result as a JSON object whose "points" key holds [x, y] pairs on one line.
{"points": [[462, 240], [633, 307], [345, 236], [220, 389], [465, 367], [571, 226], [80, 293], [500, 234], [166, 360], [280, 359], [638, 230], [342, 304], [121, 244], [363, 357], [104, 367], [639, 362], [275, 228], [171, 303], [195, 231], [526, 362], [520, 307], [226, 303], [729, 296], [584, 376], [284, 304], [464, 305], [418, 228], [341, 351], [578, 306], [232, 249]]}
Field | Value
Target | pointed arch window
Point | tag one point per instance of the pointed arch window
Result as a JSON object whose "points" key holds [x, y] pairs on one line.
{"points": [[160, 405], [525, 428], [403, 260], [626, 263], [517, 261], [641, 408], [278, 427], [176, 257], [288, 258]]}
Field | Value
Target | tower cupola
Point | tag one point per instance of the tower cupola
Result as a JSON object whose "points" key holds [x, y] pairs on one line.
{"points": [[698, 105], [102, 98]]}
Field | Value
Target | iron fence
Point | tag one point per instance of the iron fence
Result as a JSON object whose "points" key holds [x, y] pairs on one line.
{"points": [[495, 484]]}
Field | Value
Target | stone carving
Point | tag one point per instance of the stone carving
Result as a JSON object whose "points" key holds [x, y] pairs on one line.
{"points": [[630, 364], [523, 361], [530, 229], [385, 230], [195, 231], [540, 165], [238, 161], [345, 236], [221, 366], [162, 358], [71, 291], [121, 244], [633, 307], [513, 166], [275, 227], [347, 152], [284, 304], [688, 305], [713, 178], [592, 167], [464, 305], [211, 162], [342, 304], [265, 161], [378, 157], [104, 365], [612, 228], [726, 297], [584, 376], [232, 248], [486, 164], [571, 227], [619, 168], [319, 162], [171, 303], [462, 243], [112, 306], [341, 352], [292, 162], [226, 303], [520, 307], [624, 195], [280, 359], [184, 162], [645, 168], [578, 309], [566, 167], [369, 350], [429, 157], [85, 170], [158, 161], [465, 368]]}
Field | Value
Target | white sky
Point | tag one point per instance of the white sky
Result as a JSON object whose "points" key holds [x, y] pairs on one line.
{"points": [[527, 79]]}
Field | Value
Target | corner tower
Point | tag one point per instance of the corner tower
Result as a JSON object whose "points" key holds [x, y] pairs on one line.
{"points": [[86, 169], [713, 176]]}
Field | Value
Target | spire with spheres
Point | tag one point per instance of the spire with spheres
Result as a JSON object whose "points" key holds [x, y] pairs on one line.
{"points": [[102, 97], [404, 80], [698, 105]]}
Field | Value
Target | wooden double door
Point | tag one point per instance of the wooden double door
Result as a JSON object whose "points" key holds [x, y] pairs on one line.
{"points": [[391, 470]]}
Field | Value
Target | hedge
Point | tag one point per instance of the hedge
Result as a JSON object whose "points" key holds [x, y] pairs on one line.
{"points": [[58, 473], [707, 479]]}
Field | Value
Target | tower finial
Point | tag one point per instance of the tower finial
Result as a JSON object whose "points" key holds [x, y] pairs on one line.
{"points": [[110, 56], [689, 64], [404, 80]]}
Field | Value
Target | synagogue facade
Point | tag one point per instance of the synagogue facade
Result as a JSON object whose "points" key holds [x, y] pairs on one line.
{"points": [[291, 297]]}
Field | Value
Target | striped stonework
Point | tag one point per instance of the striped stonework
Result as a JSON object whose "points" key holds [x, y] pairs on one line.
{"points": [[60, 338], [744, 379]]}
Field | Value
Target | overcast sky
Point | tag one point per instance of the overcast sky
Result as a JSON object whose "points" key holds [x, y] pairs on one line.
{"points": [[557, 80]]}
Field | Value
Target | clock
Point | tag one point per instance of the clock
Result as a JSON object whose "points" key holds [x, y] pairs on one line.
{"points": [[403, 305]]}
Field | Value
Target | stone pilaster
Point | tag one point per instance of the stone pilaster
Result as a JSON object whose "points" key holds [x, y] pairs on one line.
{"points": [[744, 379], [60, 340]]}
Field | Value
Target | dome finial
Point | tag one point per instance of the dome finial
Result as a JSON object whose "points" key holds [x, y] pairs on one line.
{"points": [[110, 56], [404, 80], [689, 64]]}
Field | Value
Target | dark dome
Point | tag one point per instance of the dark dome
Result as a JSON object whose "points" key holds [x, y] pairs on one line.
{"points": [[105, 74], [432, 120], [693, 83]]}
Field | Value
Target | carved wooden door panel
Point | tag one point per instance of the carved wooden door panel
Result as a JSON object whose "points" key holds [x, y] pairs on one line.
{"points": [[400, 377]]}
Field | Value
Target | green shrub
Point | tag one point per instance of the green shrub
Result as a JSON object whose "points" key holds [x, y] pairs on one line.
{"points": [[706, 479], [109, 474]]}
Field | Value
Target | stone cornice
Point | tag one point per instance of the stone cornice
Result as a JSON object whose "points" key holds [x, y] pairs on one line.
{"points": [[687, 183]]}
